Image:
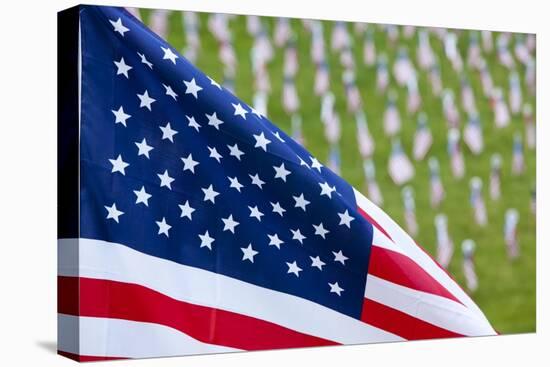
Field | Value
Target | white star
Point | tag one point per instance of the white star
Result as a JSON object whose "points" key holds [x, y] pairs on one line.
{"points": [[113, 212], [189, 163], [214, 83], [229, 224], [339, 256], [165, 179], [120, 116], [239, 110], [118, 165], [261, 141], [277, 208], [206, 240], [235, 183], [281, 172], [274, 240], [145, 61], [301, 202], [192, 88], [320, 230], [145, 100], [345, 219], [210, 194], [119, 27], [142, 196], [256, 180], [293, 268], [335, 288], [249, 253], [193, 123], [326, 189], [163, 227], [297, 235], [143, 148], [278, 136], [235, 152], [315, 164], [256, 213], [169, 54], [122, 67], [213, 120], [186, 210], [317, 262], [214, 154], [170, 92], [168, 132]]}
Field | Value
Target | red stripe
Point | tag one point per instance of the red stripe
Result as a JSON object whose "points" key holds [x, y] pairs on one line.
{"points": [[373, 222], [400, 269], [400, 323], [79, 358], [111, 299], [67, 295]]}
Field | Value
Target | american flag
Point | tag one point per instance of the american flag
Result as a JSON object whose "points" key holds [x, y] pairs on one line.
{"points": [[201, 227]]}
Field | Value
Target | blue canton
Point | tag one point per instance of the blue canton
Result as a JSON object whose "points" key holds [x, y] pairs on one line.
{"points": [[175, 166]]}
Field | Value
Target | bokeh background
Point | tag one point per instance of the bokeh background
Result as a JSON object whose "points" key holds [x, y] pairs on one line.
{"points": [[506, 291]]}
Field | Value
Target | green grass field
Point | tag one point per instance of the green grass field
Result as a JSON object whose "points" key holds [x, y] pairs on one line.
{"points": [[507, 289]]}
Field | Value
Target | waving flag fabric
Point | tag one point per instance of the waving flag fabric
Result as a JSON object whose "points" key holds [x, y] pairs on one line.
{"points": [[191, 224]]}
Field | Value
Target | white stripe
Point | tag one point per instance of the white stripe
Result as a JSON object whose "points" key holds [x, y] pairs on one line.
{"points": [[103, 337], [428, 307], [403, 243], [379, 239], [105, 260]]}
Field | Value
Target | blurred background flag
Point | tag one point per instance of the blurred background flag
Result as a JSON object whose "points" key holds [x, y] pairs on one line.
{"points": [[510, 233], [468, 265], [204, 228], [445, 246], [422, 138], [494, 178]]}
